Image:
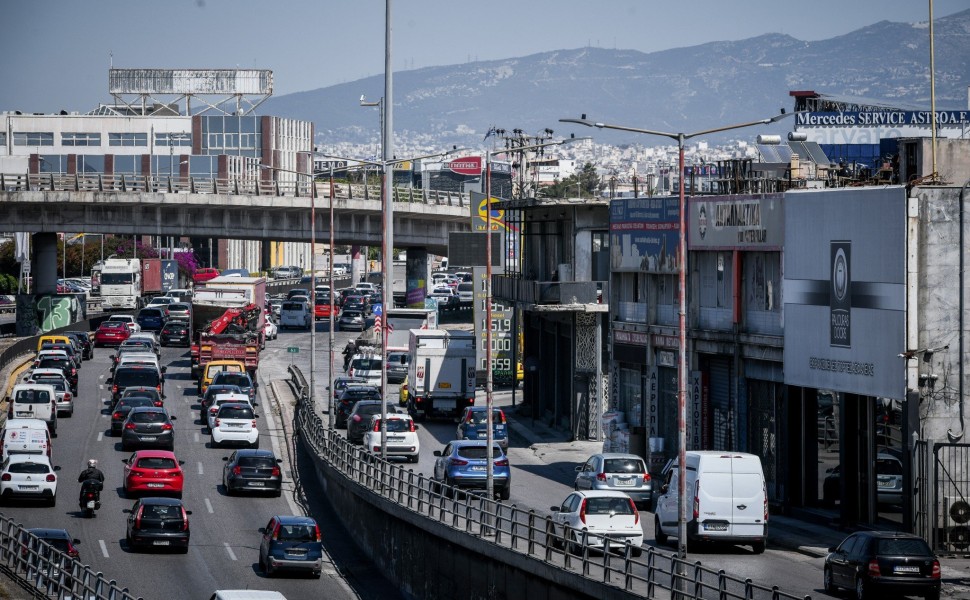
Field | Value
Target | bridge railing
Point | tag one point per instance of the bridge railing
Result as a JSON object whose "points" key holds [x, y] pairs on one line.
{"points": [[161, 183], [520, 530]]}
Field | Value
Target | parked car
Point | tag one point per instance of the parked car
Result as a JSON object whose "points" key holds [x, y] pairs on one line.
{"points": [[287, 272], [351, 320], [462, 464], [175, 333], [351, 395], [252, 470], [402, 437], [291, 543], [615, 472], [111, 333], [889, 481], [204, 274], [598, 516], [28, 476], [473, 425], [877, 564], [154, 471], [156, 522], [148, 427], [235, 423]]}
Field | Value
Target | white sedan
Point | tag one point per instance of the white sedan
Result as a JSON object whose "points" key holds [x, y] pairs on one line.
{"points": [[600, 515], [28, 476], [270, 330], [129, 320]]}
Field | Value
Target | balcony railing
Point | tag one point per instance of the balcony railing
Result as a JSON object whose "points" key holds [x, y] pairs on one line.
{"points": [[528, 291]]}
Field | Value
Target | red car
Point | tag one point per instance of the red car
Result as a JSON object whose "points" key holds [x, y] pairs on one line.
{"points": [[204, 274], [111, 333], [322, 308], [153, 471]]}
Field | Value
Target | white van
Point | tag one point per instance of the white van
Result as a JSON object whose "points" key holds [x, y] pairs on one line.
{"points": [[34, 401], [726, 500], [295, 313], [25, 436], [367, 367]]}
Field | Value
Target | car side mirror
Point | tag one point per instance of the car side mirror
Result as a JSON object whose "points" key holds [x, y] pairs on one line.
{"points": [[579, 469], [256, 416], [437, 452], [127, 511], [226, 458], [261, 530], [417, 427], [279, 460], [164, 369], [554, 508], [663, 489], [832, 549], [181, 462], [57, 468], [109, 380], [124, 461], [188, 512], [174, 418], [75, 541]]}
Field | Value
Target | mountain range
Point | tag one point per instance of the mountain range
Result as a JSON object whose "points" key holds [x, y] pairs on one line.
{"points": [[683, 89]]}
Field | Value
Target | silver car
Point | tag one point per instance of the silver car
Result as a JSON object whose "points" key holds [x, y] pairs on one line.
{"points": [[625, 473]]}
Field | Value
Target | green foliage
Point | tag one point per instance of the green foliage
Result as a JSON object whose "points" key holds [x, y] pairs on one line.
{"points": [[585, 183]]}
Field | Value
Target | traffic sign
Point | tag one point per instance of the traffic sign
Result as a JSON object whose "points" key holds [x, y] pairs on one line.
{"points": [[293, 349]]}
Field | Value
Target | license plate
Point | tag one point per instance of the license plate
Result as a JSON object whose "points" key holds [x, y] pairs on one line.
{"points": [[478, 468], [156, 485], [296, 552], [149, 438], [624, 482], [160, 543], [444, 385], [884, 484], [257, 483], [715, 526], [395, 438], [500, 428], [90, 504], [901, 569], [29, 487], [236, 425], [23, 413], [444, 404]]}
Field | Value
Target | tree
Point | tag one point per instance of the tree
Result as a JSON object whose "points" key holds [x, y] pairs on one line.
{"points": [[584, 183]]}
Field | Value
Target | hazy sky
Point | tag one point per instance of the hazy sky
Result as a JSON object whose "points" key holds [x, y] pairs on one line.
{"points": [[55, 54]]}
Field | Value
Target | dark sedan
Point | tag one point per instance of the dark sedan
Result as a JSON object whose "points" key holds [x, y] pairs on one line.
{"points": [[875, 564], [151, 318], [158, 523], [84, 341], [252, 470], [123, 407], [175, 333], [351, 396], [148, 427], [359, 419]]}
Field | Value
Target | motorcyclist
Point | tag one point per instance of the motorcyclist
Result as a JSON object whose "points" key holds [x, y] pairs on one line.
{"points": [[92, 472], [348, 353], [92, 481]]}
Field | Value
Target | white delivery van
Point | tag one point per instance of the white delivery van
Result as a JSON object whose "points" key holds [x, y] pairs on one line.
{"points": [[25, 436], [726, 500], [34, 401]]}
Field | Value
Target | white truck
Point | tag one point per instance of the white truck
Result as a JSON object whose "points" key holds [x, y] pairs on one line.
{"points": [[441, 376], [121, 284]]}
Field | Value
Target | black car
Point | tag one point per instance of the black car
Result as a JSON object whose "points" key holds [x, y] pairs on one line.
{"points": [[397, 366], [124, 406], [876, 564], [151, 318], [58, 539], [148, 427], [252, 470], [175, 333], [351, 396], [158, 523], [359, 419], [144, 392], [210, 393], [84, 341], [64, 364], [138, 375]]}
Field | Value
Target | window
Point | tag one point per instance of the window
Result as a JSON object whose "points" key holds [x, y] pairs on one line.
{"points": [[127, 165], [33, 138], [89, 163], [52, 163], [173, 139], [127, 139], [80, 139], [3, 138]]}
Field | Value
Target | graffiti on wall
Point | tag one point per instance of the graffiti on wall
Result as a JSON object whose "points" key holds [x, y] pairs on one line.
{"points": [[55, 311]]}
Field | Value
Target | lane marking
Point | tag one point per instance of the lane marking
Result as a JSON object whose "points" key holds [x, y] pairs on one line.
{"points": [[104, 548], [197, 437], [232, 554], [200, 467], [208, 506], [101, 437]]}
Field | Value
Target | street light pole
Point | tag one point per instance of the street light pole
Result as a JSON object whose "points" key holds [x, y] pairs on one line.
{"points": [[330, 372], [388, 193], [682, 320]]}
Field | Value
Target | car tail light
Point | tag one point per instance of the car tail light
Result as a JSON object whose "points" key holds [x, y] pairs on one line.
{"points": [[73, 372], [874, 568], [502, 462], [276, 531], [166, 426], [158, 403], [350, 372], [582, 511], [141, 509], [185, 520], [765, 492], [356, 419], [213, 410], [411, 426], [253, 422], [418, 399], [114, 389], [697, 498], [71, 550], [217, 422], [237, 470], [5, 477], [601, 477], [68, 397], [458, 462], [276, 471], [159, 388], [936, 570], [377, 448], [51, 478], [470, 401], [117, 415], [377, 425], [316, 532], [646, 477], [129, 425]]}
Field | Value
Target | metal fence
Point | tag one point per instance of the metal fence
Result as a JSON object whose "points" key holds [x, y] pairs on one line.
{"points": [[99, 182], [522, 531]]}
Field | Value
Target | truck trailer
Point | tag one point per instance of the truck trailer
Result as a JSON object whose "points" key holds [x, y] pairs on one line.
{"points": [[441, 376], [227, 321]]}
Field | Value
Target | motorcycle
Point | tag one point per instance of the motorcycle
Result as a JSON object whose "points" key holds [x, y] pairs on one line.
{"points": [[90, 498]]}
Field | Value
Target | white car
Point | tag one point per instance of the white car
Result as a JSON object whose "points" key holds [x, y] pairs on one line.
{"points": [[235, 423], [28, 476], [161, 301], [62, 389], [402, 437], [600, 515], [130, 320], [219, 400], [270, 330]]}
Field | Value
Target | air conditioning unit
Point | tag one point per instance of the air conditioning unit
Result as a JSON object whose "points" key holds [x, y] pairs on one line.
{"points": [[954, 524]]}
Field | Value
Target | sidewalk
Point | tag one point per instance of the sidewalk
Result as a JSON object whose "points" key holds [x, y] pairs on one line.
{"points": [[809, 535]]}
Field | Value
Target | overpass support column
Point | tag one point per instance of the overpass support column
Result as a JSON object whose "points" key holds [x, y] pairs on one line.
{"points": [[44, 265], [417, 277], [265, 256]]}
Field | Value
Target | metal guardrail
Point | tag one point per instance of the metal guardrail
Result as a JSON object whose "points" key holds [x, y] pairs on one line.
{"points": [[51, 572], [522, 531], [99, 182]]}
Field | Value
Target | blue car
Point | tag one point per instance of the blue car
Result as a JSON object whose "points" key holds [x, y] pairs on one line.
{"points": [[473, 426], [291, 543], [463, 465], [151, 318]]}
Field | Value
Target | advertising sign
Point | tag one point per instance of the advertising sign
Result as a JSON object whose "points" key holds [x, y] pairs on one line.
{"points": [[644, 234], [845, 290], [170, 275], [753, 222], [466, 165]]}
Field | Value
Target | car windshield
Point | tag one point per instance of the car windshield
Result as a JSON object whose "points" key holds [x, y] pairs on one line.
{"points": [[150, 313], [367, 364], [257, 462], [178, 307], [357, 394], [903, 547], [56, 382], [238, 379], [156, 462], [221, 389], [889, 466], [28, 467], [32, 397], [144, 377], [368, 409], [478, 452], [175, 328], [609, 506], [397, 425], [623, 465], [148, 416], [297, 533], [351, 314], [235, 412], [126, 404], [160, 511], [479, 417], [54, 363], [292, 306]]}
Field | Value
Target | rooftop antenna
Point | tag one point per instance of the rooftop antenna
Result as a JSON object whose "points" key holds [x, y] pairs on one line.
{"points": [[111, 59]]}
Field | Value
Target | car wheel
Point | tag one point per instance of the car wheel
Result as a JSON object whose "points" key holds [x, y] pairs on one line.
{"points": [[827, 581], [277, 493], [213, 443], [255, 445], [53, 501], [758, 547], [505, 493], [861, 589], [932, 595], [658, 533], [636, 552]]}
